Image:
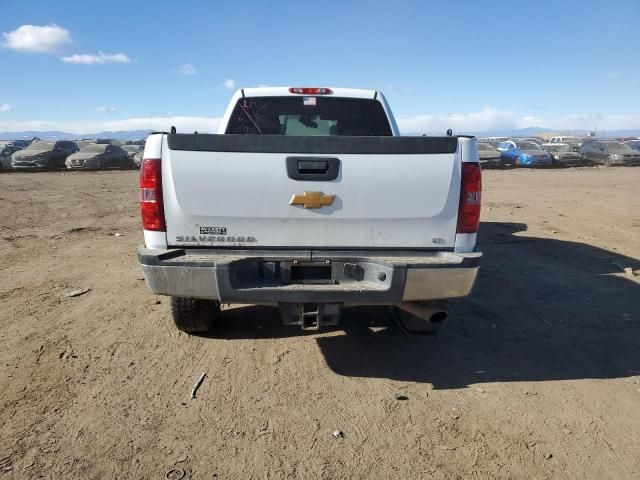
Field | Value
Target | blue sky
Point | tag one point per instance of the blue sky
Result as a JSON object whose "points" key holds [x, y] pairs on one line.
{"points": [[466, 64]]}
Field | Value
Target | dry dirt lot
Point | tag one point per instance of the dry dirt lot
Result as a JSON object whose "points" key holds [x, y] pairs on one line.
{"points": [[536, 375]]}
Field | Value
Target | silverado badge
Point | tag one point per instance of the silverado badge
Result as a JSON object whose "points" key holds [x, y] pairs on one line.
{"points": [[312, 199]]}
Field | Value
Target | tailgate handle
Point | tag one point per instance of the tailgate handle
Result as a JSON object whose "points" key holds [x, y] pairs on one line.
{"points": [[306, 167], [313, 168]]}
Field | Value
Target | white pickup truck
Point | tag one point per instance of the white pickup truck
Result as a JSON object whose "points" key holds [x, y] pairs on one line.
{"points": [[310, 200]]}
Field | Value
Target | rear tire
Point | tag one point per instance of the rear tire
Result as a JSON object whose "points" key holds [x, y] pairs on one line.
{"points": [[194, 315]]}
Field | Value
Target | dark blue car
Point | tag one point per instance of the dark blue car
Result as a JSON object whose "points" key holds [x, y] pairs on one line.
{"points": [[523, 154]]}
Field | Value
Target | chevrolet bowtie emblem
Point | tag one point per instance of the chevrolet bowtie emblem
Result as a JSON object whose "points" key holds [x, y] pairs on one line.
{"points": [[312, 199]]}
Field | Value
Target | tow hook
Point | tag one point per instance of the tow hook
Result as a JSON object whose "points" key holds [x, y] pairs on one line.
{"points": [[310, 316]]}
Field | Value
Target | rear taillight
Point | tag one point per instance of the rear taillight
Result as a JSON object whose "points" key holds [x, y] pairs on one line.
{"points": [[311, 90], [151, 206], [470, 193]]}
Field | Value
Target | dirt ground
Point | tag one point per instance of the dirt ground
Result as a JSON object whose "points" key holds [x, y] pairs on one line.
{"points": [[535, 375]]}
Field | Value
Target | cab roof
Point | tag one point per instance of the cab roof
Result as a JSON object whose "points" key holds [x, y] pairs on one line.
{"points": [[284, 92]]}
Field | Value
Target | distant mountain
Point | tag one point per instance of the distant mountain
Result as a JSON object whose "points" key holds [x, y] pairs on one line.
{"points": [[534, 131], [55, 135]]}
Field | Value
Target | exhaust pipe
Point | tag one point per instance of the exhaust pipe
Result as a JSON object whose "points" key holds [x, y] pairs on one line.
{"points": [[438, 317], [434, 312], [421, 318]]}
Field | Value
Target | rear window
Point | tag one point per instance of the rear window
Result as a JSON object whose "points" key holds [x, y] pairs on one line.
{"points": [[528, 146], [40, 145], [308, 116], [617, 147], [94, 148]]}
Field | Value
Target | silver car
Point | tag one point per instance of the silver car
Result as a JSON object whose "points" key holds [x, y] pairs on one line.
{"points": [[609, 153], [98, 157], [43, 155], [563, 154], [132, 150], [489, 155]]}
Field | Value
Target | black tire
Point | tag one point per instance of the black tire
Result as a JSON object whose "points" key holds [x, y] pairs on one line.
{"points": [[193, 315], [607, 161]]}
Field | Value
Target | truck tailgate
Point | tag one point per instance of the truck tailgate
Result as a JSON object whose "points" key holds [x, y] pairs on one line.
{"points": [[237, 190]]}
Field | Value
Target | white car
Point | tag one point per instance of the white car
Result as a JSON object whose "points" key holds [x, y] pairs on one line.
{"points": [[308, 199]]}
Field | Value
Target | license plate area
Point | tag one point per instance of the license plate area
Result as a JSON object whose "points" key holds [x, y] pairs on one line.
{"points": [[271, 273], [310, 273], [276, 273]]}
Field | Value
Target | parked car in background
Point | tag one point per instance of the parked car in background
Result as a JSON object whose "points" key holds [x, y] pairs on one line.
{"points": [[519, 153], [575, 142], [563, 154], [99, 157], [20, 143], [6, 150], [635, 144], [137, 158], [536, 140], [489, 155], [42, 155], [493, 141], [83, 143], [609, 153], [132, 150]]}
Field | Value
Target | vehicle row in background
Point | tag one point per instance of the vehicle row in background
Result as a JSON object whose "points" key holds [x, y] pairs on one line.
{"points": [[80, 154], [558, 151]]}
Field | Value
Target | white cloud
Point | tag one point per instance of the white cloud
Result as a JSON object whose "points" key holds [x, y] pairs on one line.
{"points": [[230, 84], [38, 39], [99, 59], [104, 108], [187, 69], [182, 123], [490, 119], [6, 107], [487, 119], [584, 121]]}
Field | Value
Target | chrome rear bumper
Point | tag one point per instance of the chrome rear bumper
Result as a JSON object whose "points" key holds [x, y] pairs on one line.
{"points": [[272, 276]]}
